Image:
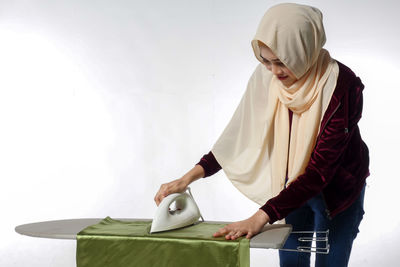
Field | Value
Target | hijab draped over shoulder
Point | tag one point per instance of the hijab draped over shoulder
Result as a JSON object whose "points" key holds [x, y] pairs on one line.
{"points": [[258, 150]]}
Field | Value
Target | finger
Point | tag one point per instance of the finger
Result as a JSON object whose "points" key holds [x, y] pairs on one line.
{"points": [[217, 234], [158, 200], [237, 235], [229, 235], [220, 232], [159, 197], [161, 194], [249, 235], [234, 235]]}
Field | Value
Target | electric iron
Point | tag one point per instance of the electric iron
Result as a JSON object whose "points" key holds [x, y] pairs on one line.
{"points": [[183, 214]]}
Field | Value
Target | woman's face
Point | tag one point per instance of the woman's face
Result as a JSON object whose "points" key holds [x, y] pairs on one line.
{"points": [[273, 64]]}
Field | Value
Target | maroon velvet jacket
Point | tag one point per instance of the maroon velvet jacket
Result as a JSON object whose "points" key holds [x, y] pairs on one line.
{"points": [[339, 163]]}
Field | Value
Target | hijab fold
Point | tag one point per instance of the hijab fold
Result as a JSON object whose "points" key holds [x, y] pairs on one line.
{"points": [[257, 148]]}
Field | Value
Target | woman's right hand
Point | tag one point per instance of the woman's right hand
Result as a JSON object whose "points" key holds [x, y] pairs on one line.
{"points": [[179, 185], [176, 186]]}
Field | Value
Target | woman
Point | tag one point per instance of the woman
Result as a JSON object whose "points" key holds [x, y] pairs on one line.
{"points": [[293, 144]]}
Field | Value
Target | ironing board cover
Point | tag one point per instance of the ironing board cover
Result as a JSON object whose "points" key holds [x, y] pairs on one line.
{"points": [[129, 244]]}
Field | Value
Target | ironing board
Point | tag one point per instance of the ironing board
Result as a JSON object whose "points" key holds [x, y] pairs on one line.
{"points": [[271, 237]]}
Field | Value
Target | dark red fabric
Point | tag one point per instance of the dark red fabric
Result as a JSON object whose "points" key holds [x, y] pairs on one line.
{"points": [[209, 164], [339, 163]]}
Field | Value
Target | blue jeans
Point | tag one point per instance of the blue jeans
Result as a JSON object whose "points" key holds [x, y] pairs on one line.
{"points": [[343, 229]]}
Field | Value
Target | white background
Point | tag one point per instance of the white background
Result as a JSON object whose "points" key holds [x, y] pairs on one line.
{"points": [[102, 101]]}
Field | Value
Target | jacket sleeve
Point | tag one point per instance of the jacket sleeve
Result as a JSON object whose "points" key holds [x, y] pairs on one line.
{"points": [[327, 156], [209, 164]]}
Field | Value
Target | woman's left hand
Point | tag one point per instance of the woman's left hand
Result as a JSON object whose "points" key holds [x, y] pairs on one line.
{"points": [[249, 227]]}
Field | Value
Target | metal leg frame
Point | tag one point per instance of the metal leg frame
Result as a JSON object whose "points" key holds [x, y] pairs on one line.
{"points": [[317, 236]]}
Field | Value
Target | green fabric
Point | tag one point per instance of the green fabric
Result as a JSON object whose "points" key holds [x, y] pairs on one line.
{"points": [[128, 244]]}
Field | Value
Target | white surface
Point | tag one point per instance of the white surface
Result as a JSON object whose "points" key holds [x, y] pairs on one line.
{"points": [[102, 101], [58, 229]]}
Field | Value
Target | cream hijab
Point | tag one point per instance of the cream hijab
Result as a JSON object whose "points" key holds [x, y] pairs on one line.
{"points": [[254, 149]]}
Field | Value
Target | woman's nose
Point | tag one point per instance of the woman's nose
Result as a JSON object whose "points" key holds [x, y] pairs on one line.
{"points": [[276, 70]]}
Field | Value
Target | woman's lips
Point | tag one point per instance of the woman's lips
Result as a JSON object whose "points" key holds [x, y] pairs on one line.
{"points": [[282, 78]]}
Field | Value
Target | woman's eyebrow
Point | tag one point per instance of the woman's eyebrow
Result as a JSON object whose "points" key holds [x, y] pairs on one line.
{"points": [[273, 60]]}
